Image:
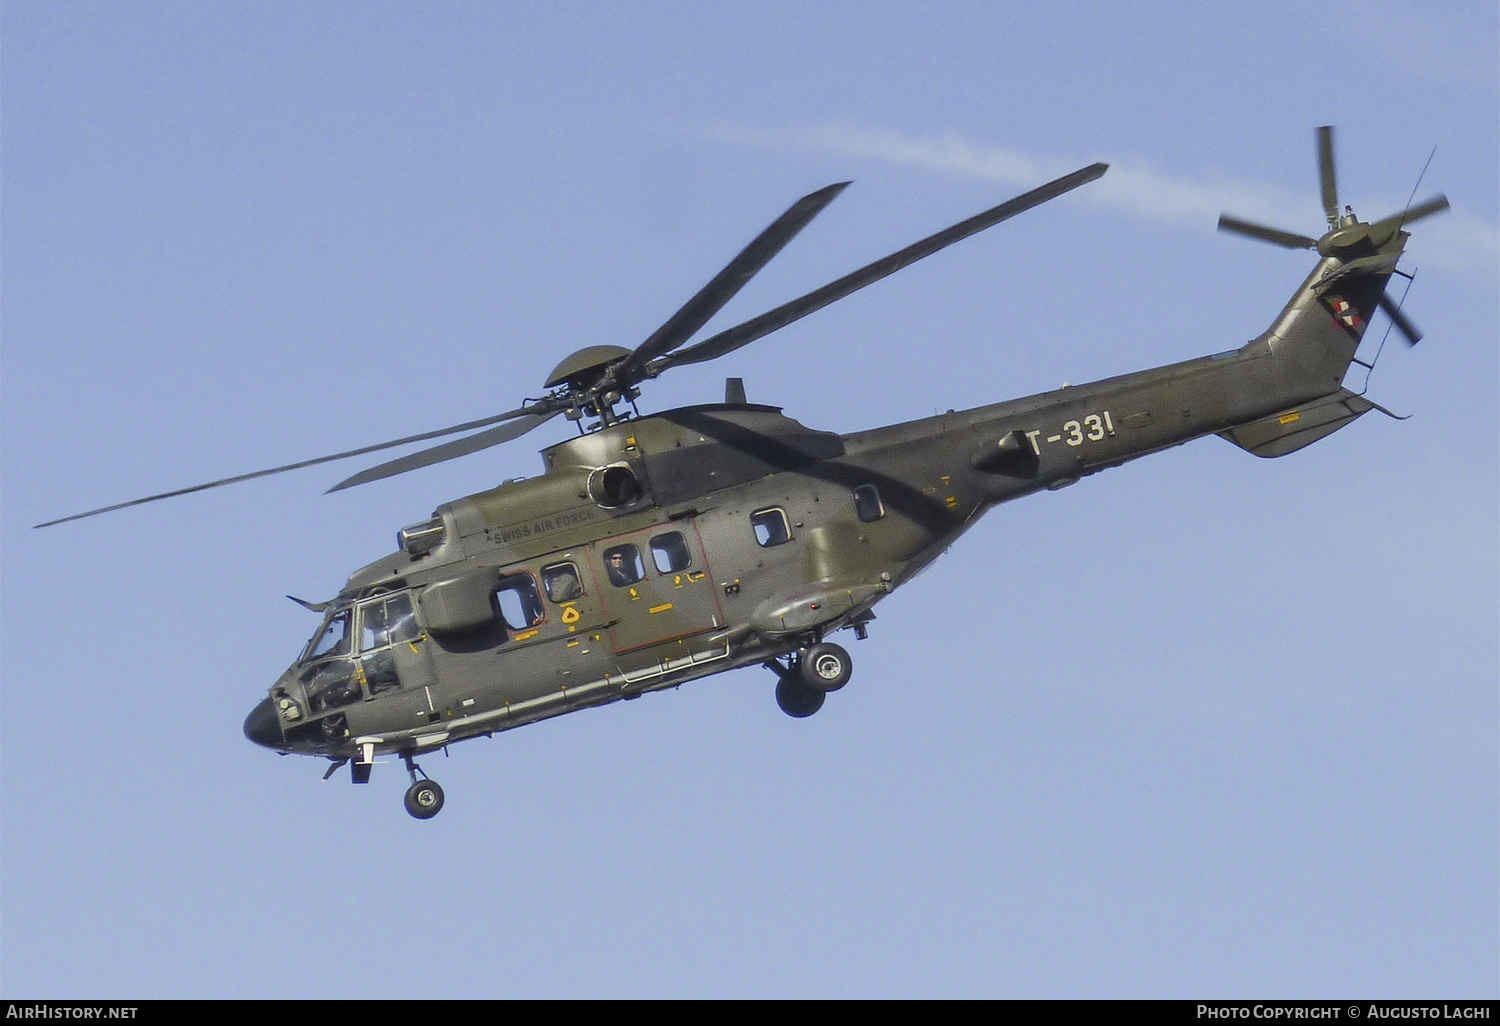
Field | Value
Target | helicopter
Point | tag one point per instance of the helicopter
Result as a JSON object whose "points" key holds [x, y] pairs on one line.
{"points": [[656, 549]]}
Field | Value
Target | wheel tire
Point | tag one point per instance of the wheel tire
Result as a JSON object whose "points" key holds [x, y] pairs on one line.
{"points": [[424, 799], [796, 698], [825, 667]]}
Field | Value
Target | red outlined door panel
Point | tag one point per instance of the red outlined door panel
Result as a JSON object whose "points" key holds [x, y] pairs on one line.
{"points": [[655, 585]]}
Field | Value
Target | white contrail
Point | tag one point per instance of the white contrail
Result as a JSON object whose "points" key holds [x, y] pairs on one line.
{"points": [[1454, 240]]}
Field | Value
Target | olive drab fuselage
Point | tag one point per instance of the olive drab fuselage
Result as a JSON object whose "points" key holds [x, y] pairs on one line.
{"points": [[656, 550], [653, 550]]}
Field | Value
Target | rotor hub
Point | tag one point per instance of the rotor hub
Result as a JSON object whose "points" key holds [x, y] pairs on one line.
{"points": [[1341, 242], [586, 368]]}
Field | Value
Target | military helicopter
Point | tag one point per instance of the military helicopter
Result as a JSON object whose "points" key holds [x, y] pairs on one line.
{"points": [[656, 549]]}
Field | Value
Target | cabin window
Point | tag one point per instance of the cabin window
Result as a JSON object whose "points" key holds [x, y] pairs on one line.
{"points": [[387, 621], [770, 527], [623, 565], [562, 582], [520, 604], [670, 553], [867, 503], [614, 486]]}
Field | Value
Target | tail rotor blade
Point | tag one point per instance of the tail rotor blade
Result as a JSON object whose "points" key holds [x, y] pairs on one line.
{"points": [[1326, 177], [1275, 236], [1381, 229], [1400, 320], [1426, 208]]}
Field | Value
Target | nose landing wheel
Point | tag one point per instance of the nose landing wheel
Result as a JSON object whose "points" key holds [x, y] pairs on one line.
{"points": [[424, 799]]}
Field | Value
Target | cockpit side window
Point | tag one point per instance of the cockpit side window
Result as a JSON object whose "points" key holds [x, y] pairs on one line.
{"points": [[387, 621], [330, 684], [867, 503], [519, 601], [770, 527], [334, 640]]}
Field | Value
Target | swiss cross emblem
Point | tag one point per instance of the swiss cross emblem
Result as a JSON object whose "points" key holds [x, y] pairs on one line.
{"points": [[1345, 313]]}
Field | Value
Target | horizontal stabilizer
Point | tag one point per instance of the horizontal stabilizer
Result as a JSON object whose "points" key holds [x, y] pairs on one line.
{"points": [[1290, 430]]}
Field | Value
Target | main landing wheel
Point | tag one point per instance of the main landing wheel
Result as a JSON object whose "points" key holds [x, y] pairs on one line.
{"points": [[424, 799], [796, 698], [825, 667]]}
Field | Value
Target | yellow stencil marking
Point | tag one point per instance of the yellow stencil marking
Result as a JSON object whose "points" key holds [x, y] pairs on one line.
{"points": [[953, 502], [527, 634], [571, 615], [1290, 418], [661, 608]]}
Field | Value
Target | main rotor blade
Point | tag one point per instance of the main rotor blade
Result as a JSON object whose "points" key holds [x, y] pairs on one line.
{"points": [[1326, 177], [695, 313], [1290, 240], [1399, 319], [759, 327], [297, 466], [450, 450]]}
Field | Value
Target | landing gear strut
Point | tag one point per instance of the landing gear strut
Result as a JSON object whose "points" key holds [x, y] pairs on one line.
{"points": [[424, 799], [805, 679]]}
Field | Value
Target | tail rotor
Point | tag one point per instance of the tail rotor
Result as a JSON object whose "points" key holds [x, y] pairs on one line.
{"points": [[1358, 245]]}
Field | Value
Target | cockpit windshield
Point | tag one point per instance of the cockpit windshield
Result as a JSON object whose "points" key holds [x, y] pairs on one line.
{"points": [[335, 675], [332, 640]]}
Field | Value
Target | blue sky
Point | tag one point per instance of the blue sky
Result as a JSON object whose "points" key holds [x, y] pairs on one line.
{"points": [[1203, 725]]}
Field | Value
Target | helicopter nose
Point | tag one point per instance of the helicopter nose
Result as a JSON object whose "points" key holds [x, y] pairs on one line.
{"points": [[263, 726]]}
